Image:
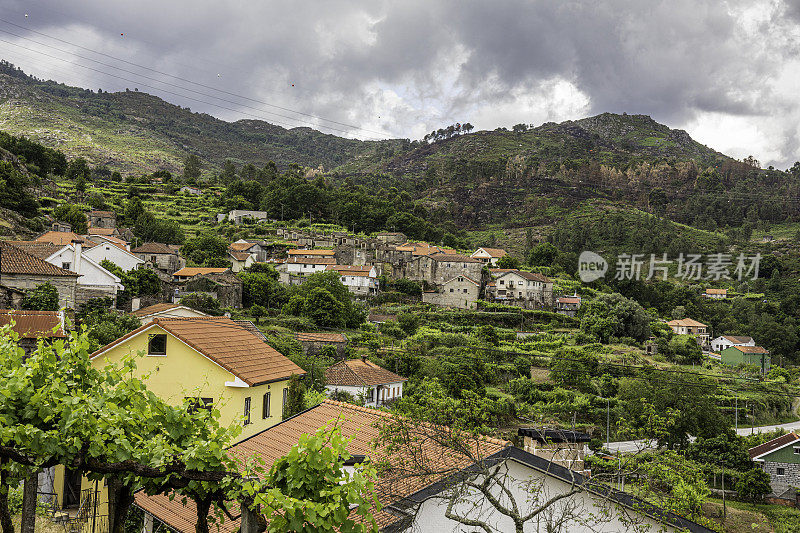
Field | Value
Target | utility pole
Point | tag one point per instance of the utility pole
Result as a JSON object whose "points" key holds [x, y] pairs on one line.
{"points": [[737, 413], [608, 423], [724, 505]]}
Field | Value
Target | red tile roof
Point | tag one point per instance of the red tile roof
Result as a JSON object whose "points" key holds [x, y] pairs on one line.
{"points": [[193, 271], [362, 425], [686, 322], [101, 231], [451, 258], [493, 252], [153, 248], [310, 252], [33, 324], [239, 256], [312, 260], [59, 237], [360, 373], [773, 445], [14, 260], [40, 249], [751, 349], [241, 246], [226, 343]]}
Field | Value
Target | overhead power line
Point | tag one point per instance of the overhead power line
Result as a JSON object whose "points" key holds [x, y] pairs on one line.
{"points": [[186, 80], [138, 83]]}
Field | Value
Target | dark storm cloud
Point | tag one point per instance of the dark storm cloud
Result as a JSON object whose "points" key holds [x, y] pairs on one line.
{"points": [[407, 67]]}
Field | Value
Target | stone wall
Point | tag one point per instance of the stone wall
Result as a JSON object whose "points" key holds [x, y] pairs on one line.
{"points": [[64, 284], [779, 484]]}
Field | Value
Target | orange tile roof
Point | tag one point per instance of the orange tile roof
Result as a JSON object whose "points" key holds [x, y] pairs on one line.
{"points": [[59, 237], [14, 260], [239, 256], [193, 271], [451, 258], [226, 343], [33, 324], [116, 241], [686, 322], [241, 246], [101, 231], [320, 337], [360, 423], [160, 308], [493, 252], [309, 252], [40, 249], [737, 340], [717, 291], [312, 260], [751, 349], [153, 248], [568, 299], [360, 373]]}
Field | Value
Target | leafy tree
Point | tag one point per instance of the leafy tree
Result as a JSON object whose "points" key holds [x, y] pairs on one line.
{"points": [[543, 254], [258, 312], [508, 262], [323, 308], [613, 315], [572, 368], [408, 322], [260, 286], [463, 372], [684, 350], [191, 167], [78, 168], [727, 448], [295, 397], [487, 334], [102, 324], [753, 485], [43, 298], [15, 190], [206, 249], [202, 302]]}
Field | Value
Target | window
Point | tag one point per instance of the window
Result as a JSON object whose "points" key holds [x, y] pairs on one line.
{"points": [[502, 282], [451, 289], [265, 406], [157, 344], [247, 410], [797, 450], [66, 266], [781, 471], [465, 291]]}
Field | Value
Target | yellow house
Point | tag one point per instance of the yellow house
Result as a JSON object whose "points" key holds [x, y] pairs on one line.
{"points": [[213, 359]]}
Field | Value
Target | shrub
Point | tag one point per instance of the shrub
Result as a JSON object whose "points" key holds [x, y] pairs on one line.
{"points": [[753, 485]]}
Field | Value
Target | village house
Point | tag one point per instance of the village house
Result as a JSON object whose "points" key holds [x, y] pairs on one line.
{"points": [[413, 502], [748, 355], [530, 290], [102, 219], [363, 378], [255, 248], [440, 267], [187, 273], [726, 341], [489, 256], [224, 286], [305, 266], [314, 342], [565, 447], [238, 216], [716, 294], [107, 250], [780, 458], [310, 254], [160, 256], [58, 225], [23, 271], [191, 191], [461, 292], [31, 326], [359, 280], [165, 310], [94, 281], [211, 361], [687, 326], [568, 305], [240, 260], [391, 237]]}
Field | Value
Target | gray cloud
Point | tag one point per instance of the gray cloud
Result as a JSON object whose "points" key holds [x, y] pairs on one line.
{"points": [[408, 67]]}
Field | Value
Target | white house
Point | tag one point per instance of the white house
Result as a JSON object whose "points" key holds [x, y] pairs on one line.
{"points": [[488, 255], [360, 280], [460, 292], [361, 377], [726, 341], [242, 215], [119, 256], [165, 310], [94, 281], [240, 260], [518, 287], [305, 266]]}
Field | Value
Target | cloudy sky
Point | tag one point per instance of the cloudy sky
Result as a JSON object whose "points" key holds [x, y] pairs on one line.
{"points": [[727, 72]]}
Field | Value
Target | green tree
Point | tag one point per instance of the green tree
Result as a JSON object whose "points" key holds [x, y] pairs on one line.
{"points": [[202, 302], [192, 167], [43, 298], [573, 368], [753, 485], [507, 262], [73, 215], [206, 249], [257, 312], [78, 168], [261, 287], [684, 350], [323, 308], [613, 315], [15, 190], [544, 254]]}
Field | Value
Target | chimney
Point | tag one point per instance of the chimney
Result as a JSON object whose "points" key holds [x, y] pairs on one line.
{"points": [[77, 246]]}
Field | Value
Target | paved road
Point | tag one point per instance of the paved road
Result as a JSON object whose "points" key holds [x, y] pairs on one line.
{"points": [[629, 446]]}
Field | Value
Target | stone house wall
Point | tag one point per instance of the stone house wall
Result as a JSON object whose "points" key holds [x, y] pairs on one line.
{"points": [[64, 284]]}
